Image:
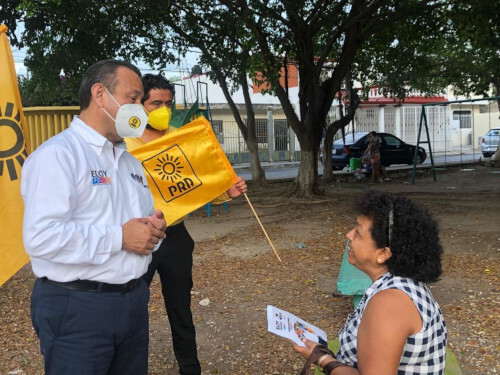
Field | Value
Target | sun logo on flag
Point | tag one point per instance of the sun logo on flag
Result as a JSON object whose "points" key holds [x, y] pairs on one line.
{"points": [[12, 142], [172, 175], [169, 168]]}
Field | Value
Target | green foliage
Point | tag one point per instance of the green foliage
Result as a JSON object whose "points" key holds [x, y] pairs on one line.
{"points": [[223, 45], [399, 45], [406, 57], [456, 44], [65, 37], [10, 14], [325, 40], [196, 70], [402, 45], [473, 49], [37, 93]]}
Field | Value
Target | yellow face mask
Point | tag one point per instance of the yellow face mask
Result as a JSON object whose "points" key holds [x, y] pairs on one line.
{"points": [[160, 118]]}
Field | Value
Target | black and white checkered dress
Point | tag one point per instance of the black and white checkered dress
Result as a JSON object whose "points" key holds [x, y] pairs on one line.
{"points": [[423, 353]]}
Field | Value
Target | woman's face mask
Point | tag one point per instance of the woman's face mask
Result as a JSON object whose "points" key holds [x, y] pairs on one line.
{"points": [[160, 118], [131, 119]]}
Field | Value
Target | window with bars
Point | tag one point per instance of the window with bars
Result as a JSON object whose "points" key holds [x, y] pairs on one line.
{"points": [[371, 113], [464, 118], [261, 130], [280, 134]]}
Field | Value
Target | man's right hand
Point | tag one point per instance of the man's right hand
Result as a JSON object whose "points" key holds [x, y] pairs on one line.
{"points": [[157, 220], [139, 237]]}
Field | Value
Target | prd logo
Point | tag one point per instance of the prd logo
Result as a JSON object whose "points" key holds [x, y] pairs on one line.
{"points": [[172, 173], [134, 122], [12, 142]]}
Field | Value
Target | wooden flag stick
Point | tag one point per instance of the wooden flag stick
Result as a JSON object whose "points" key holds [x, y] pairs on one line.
{"points": [[257, 217]]}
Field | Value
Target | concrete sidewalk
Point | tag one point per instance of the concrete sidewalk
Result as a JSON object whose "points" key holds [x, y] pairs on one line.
{"points": [[268, 165], [440, 160], [287, 170]]}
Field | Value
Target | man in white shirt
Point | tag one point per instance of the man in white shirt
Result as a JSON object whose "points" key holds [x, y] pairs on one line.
{"points": [[89, 228]]}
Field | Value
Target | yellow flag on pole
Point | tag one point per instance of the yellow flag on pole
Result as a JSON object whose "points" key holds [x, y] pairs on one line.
{"points": [[185, 169], [13, 152]]}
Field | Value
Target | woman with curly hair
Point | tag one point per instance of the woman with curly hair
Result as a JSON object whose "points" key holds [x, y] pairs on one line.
{"points": [[398, 327]]}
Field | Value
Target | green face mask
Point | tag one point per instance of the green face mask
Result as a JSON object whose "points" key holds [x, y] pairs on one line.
{"points": [[160, 118]]}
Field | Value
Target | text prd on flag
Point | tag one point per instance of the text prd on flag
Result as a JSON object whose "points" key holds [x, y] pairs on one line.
{"points": [[13, 152], [185, 169]]}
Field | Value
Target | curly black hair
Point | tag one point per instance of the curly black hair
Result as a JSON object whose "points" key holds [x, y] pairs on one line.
{"points": [[156, 81], [408, 230]]}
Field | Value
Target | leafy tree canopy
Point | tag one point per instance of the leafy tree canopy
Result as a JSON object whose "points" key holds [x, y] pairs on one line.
{"points": [[196, 70], [398, 44], [65, 37], [10, 15], [472, 48]]}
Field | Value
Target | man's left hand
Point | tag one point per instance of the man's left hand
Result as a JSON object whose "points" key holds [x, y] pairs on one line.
{"points": [[238, 188]]}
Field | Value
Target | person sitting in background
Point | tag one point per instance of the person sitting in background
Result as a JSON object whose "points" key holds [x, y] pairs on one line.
{"points": [[398, 326], [365, 160], [372, 152]]}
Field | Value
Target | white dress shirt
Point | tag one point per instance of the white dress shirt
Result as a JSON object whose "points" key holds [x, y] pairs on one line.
{"points": [[78, 190]]}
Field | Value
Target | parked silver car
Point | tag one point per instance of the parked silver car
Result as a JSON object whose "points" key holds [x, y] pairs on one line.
{"points": [[490, 141]]}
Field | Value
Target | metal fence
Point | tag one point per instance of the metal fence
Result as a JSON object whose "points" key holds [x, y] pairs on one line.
{"points": [[45, 122], [273, 141], [454, 128]]}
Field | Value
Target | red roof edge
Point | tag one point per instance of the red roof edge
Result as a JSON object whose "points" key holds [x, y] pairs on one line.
{"points": [[408, 100]]}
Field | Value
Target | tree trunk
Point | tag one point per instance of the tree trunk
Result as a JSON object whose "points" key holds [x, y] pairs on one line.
{"points": [[354, 102], [249, 134], [258, 174], [306, 183], [327, 154]]}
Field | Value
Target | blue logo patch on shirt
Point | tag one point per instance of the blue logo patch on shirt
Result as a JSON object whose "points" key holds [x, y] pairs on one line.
{"points": [[101, 180]]}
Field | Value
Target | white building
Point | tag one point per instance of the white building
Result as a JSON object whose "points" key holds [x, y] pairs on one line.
{"points": [[275, 138], [453, 128]]}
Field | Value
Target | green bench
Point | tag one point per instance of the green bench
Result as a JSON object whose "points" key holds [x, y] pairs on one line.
{"points": [[351, 281]]}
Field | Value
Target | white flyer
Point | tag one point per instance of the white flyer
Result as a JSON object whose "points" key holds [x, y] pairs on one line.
{"points": [[285, 324]]}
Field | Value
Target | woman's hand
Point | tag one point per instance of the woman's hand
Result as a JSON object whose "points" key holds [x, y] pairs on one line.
{"points": [[305, 351]]}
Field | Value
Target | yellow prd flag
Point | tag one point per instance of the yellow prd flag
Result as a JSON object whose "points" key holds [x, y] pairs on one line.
{"points": [[13, 152], [185, 169]]}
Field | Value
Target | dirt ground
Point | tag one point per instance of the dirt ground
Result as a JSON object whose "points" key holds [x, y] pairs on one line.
{"points": [[238, 274]]}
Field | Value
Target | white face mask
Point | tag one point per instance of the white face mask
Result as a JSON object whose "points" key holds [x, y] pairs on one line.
{"points": [[131, 119]]}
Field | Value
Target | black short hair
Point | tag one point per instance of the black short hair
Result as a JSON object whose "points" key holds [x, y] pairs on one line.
{"points": [[413, 236], [373, 132], [155, 81], [104, 72]]}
